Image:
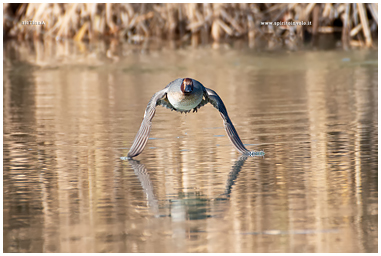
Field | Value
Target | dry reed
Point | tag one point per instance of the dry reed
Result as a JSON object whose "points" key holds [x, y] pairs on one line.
{"points": [[197, 23]]}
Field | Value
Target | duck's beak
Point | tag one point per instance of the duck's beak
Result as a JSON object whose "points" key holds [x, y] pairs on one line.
{"points": [[188, 88]]}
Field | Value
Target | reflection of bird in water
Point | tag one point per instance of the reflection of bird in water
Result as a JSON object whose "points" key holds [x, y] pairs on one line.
{"points": [[184, 95], [193, 205], [233, 174], [141, 171]]}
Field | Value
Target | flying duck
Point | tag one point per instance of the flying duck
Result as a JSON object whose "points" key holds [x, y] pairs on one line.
{"points": [[184, 95]]}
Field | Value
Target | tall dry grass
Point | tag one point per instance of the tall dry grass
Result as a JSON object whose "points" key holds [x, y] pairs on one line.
{"points": [[197, 23]]}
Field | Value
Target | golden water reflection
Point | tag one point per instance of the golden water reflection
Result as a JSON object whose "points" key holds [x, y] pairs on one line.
{"points": [[313, 113]]}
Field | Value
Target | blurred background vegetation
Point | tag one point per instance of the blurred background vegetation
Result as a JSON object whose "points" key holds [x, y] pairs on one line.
{"points": [[350, 24]]}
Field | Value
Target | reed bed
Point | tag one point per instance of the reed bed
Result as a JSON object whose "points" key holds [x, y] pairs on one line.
{"points": [[195, 23]]}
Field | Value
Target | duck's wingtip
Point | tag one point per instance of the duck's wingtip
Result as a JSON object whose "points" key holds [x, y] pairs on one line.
{"points": [[124, 158]]}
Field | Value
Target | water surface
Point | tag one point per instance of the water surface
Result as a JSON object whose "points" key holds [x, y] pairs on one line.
{"points": [[68, 120]]}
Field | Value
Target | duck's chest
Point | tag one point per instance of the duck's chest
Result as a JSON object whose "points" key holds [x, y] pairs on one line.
{"points": [[184, 102]]}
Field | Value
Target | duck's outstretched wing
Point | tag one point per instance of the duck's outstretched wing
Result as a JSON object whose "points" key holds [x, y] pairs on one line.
{"points": [[141, 137], [216, 101]]}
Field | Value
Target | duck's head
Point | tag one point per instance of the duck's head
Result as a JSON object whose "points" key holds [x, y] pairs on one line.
{"points": [[187, 86]]}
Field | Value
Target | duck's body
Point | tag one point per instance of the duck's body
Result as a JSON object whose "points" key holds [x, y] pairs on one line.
{"points": [[187, 96], [184, 95]]}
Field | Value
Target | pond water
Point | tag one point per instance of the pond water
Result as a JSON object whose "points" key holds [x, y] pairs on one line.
{"points": [[68, 120]]}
